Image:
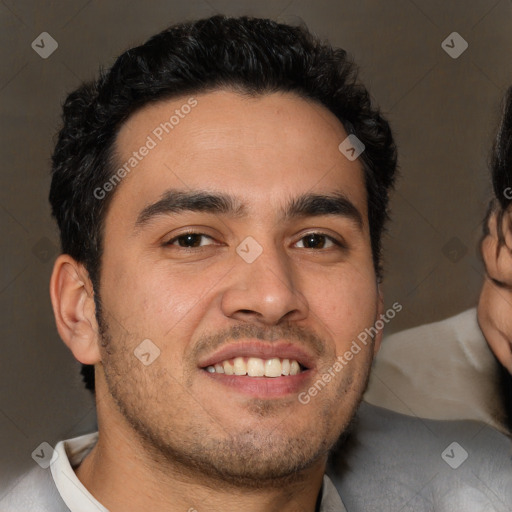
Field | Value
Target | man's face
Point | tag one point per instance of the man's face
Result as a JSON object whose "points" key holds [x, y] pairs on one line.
{"points": [[273, 277]]}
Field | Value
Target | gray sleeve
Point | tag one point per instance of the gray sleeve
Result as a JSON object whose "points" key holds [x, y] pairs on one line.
{"points": [[34, 491]]}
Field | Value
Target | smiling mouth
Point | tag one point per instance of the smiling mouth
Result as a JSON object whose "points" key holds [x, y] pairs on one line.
{"points": [[257, 367]]}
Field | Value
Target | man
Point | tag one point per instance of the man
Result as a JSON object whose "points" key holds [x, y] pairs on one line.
{"points": [[220, 194]]}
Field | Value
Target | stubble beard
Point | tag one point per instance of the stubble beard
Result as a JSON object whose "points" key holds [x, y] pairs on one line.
{"points": [[247, 459]]}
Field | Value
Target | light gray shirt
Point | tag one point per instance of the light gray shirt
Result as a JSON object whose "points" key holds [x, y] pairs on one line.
{"points": [[395, 462], [440, 371]]}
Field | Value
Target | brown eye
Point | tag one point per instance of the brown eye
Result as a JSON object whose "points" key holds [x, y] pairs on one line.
{"points": [[318, 241], [189, 240]]}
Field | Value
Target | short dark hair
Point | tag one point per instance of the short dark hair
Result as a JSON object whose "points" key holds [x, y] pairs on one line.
{"points": [[250, 55]]}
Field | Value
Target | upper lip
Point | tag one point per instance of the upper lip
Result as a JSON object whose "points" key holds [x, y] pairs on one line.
{"points": [[261, 349]]}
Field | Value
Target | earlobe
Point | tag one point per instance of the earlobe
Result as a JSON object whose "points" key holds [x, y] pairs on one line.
{"points": [[72, 299]]}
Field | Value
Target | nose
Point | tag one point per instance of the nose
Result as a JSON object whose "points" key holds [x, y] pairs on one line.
{"points": [[265, 291]]}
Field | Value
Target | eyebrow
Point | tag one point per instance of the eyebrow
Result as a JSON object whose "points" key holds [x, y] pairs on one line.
{"points": [[307, 205]]}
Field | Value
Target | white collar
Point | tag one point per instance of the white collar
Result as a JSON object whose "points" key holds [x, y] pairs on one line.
{"points": [[69, 454]]}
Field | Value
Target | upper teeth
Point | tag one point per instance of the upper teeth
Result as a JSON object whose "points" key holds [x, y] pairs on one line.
{"points": [[256, 367]]}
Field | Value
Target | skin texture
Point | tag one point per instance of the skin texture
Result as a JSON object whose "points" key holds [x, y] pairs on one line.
{"points": [[495, 303], [171, 437]]}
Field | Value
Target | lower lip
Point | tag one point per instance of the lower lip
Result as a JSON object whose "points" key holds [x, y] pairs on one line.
{"points": [[263, 387]]}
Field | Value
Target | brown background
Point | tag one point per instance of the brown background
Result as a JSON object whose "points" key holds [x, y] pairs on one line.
{"points": [[443, 111]]}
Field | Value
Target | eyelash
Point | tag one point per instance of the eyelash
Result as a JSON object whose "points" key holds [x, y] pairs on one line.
{"points": [[169, 243]]}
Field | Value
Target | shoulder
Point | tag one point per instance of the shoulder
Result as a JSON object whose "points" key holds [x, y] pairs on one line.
{"points": [[397, 462], [441, 371], [34, 490]]}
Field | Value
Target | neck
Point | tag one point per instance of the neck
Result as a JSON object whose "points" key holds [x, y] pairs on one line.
{"points": [[122, 477]]}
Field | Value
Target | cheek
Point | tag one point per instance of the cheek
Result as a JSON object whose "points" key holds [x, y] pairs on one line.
{"points": [[158, 297], [500, 311], [346, 305], [495, 317]]}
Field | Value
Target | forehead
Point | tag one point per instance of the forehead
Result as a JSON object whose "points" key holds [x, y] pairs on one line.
{"points": [[261, 148]]}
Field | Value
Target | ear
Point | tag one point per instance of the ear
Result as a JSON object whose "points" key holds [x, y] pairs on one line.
{"points": [[72, 298], [498, 260], [380, 311]]}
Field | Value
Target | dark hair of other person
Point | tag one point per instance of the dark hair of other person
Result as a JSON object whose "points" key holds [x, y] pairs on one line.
{"points": [[248, 55], [501, 161]]}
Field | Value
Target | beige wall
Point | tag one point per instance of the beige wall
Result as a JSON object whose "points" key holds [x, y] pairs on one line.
{"points": [[443, 111]]}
